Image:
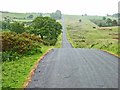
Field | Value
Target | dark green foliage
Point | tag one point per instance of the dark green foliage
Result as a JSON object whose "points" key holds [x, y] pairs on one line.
{"points": [[47, 28], [114, 23], [104, 18], [17, 27], [80, 20], [105, 22], [5, 25], [7, 19], [109, 22], [10, 56], [30, 16]]}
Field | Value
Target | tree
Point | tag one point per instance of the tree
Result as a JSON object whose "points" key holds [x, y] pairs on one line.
{"points": [[56, 15], [17, 27], [104, 18], [30, 16], [4, 25], [80, 20], [114, 23], [100, 24], [109, 22], [46, 27]]}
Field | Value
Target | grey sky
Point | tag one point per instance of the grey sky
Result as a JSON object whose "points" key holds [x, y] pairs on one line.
{"points": [[91, 7]]}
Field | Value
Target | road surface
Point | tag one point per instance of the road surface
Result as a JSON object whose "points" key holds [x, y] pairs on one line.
{"points": [[65, 42], [69, 67]]}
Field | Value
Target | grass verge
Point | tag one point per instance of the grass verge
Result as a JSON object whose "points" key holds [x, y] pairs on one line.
{"points": [[59, 42], [15, 73]]}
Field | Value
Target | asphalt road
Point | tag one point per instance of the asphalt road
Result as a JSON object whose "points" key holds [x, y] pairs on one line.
{"points": [[69, 67], [65, 42]]}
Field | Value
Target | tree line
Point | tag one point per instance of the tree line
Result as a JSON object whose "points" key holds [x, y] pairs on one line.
{"points": [[47, 28], [105, 22]]}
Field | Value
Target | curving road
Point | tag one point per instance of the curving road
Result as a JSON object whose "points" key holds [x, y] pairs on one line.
{"points": [[69, 67]]}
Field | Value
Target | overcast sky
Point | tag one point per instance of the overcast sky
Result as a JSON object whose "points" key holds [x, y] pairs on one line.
{"points": [[76, 7]]}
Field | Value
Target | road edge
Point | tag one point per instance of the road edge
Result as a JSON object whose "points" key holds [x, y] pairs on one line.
{"points": [[29, 77], [111, 53]]}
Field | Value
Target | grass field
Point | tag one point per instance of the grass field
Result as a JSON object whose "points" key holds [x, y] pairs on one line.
{"points": [[83, 35]]}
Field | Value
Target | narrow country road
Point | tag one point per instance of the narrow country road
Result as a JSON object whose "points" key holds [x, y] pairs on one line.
{"points": [[69, 67], [65, 42]]}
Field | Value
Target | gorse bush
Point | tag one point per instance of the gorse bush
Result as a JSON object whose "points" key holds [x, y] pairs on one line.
{"points": [[18, 42], [15, 44]]}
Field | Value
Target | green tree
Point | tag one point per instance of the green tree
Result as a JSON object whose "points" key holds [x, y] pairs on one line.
{"points": [[80, 20], [56, 15], [17, 27], [114, 23], [47, 28], [109, 22], [100, 24], [30, 16], [5, 25], [104, 18]]}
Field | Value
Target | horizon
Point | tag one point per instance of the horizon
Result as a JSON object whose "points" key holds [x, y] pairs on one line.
{"points": [[54, 11]]}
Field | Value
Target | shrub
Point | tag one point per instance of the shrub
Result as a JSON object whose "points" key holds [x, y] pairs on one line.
{"points": [[17, 27], [15, 45], [10, 56]]}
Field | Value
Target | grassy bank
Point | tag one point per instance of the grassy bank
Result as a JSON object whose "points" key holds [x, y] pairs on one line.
{"points": [[21, 50], [15, 73], [59, 42], [83, 35]]}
